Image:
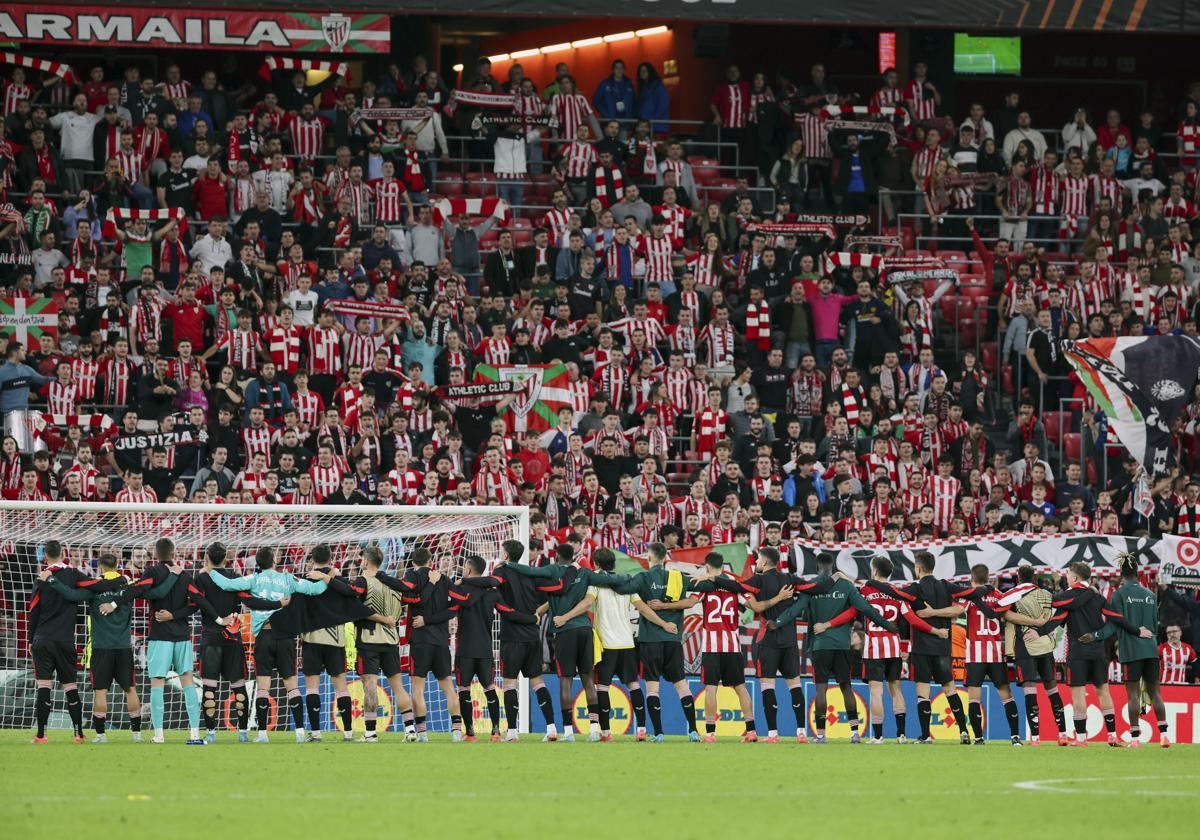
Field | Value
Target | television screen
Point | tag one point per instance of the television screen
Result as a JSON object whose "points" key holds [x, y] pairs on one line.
{"points": [[987, 55]]}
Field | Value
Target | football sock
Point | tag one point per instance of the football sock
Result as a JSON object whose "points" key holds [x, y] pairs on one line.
{"points": [[1162, 727], [877, 729], [262, 711], [456, 723], [1056, 705], [464, 703], [241, 701], [75, 709], [156, 707], [43, 710], [546, 704], [603, 709], [638, 698], [901, 722], [567, 716], [135, 721], [797, 693], [98, 723], [296, 706], [959, 713], [369, 720], [419, 722], [770, 710], [191, 706], [208, 708], [493, 707], [1014, 717], [689, 711], [1110, 722], [975, 713], [406, 717], [313, 702], [710, 727], [1081, 727], [924, 713], [1033, 718], [654, 707], [345, 711], [511, 698], [851, 708]]}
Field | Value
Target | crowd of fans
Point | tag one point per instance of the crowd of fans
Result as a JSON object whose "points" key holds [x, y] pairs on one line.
{"points": [[278, 298]]}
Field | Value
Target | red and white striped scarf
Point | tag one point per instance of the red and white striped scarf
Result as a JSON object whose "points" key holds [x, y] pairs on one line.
{"points": [[337, 68], [115, 214], [472, 206], [412, 167], [850, 404], [758, 325], [849, 259], [1129, 240], [63, 71], [609, 187]]}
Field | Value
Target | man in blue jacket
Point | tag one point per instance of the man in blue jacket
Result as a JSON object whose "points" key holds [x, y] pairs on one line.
{"points": [[613, 98], [16, 377]]}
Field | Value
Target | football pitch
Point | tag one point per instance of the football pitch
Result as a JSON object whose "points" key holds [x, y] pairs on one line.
{"points": [[583, 790]]}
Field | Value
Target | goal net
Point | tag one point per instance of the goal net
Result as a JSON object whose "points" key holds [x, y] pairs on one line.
{"points": [[452, 534]]}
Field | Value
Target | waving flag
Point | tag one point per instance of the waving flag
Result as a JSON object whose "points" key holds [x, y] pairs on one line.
{"points": [[536, 407], [28, 320], [1141, 384]]}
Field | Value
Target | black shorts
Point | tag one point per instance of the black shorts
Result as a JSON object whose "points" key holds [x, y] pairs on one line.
{"points": [[378, 659], [1087, 672], [778, 661], [574, 652], [328, 658], [977, 672], [831, 663], [1140, 669], [1036, 669], [467, 668], [728, 669], [661, 661], [619, 663], [110, 664], [223, 662], [274, 653], [931, 668], [426, 658], [520, 658], [51, 659], [883, 670]]}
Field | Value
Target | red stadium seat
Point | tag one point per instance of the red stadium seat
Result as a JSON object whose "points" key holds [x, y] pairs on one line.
{"points": [[1071, 445], [522, 236], [704, 169], [519, 223], [1006, 379], [989, 352], [950, 308], [1055, 423], [450, 188], [719, 188], [908, 237]]}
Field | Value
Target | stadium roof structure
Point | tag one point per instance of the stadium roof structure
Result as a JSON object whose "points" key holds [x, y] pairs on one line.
{"points": [[1161, 16]]}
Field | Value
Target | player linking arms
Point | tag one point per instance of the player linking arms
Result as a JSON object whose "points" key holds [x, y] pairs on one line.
{"points": [[618, 657], [110, 643], [830, 614], [429, 608], [222, 654], [1029, 605], [985, 655], [1138, 652], [378, 644], [473, 657], [567, 587], [275, 633], [1084, 611]]}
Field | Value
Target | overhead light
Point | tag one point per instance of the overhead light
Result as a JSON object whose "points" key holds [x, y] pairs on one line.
{"points": [[495, 59], [587, 42], [553, 48], [457, 68], [620, 36], [653, 30]]}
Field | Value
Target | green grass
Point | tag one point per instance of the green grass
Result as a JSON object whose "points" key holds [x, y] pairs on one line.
{"points": [[582, 791]]}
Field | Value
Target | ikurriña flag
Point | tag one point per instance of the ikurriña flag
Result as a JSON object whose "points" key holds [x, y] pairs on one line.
{"points": [[536, 406]]}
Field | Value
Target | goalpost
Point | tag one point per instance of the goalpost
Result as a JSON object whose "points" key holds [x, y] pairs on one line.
{"points": [[451, 533]]}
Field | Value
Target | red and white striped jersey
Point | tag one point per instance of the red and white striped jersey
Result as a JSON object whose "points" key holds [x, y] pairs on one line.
{"points": [[307, 136], [146, 496], [720, 611], [360, 200], [676, 220], [881, 643], [926, 159], [813, 136], [581, 395], [719, 343], [706, 268], [557, 221], [250, 480], [657, 252], [572, 110], [887, 97], [494, 484], [310, 406], [613, 380], [257, 440], [678, 387], [177, 90], [117, 377], [923, 106], [62, 399], [324, 351], [578, 160], [133, 164], [360, 349], [1174, 661], [985, 635], [945, 495], [733, 101], [14, 93], [1105, 187], [389, 200], [87, 478], [494, 351], [283, 345], [242, 348], [84, 373], [615, 538], [326, 480], [1045, 189], [709, 429], [1074, 189], [860, 525]]}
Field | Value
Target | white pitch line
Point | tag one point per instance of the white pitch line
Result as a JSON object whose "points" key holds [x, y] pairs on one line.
{"points": [[1064, 785]]}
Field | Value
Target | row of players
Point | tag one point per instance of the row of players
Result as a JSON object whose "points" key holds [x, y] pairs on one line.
{"points": [[583, 605]]}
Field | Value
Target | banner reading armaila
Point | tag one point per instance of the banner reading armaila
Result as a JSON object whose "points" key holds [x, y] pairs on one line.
{"points": [[230, 29]]}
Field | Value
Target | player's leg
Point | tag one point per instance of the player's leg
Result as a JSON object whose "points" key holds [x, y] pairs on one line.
{"points": [[1000, 680], [158, 663], [262, 702], [1077, 674], [747, 705], [841, 673], [945, 675], [606, 669], [820, 663], [183, 657], [899, 709], [419, 709], [768, 660], [796, 692], [295, 704], [210, 671], [588, 679], [975, 672], [674, 671], [43, 672], [233, 671], [545, 701], [1106, 704], [66, 666], [311, 666], [370, 691], [1150, 678], [1046, 673], [341, 699], [133, 707], [875, 692], [99, 714], [492, 696], [452, 705], [463, 675], [733, 675], [102, 662]]}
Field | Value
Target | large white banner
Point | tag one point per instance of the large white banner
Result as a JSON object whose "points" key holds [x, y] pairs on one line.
{"points": [[1177, 558]]}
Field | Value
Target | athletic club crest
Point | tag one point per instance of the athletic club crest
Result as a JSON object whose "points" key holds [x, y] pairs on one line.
{"points": [[526, 399], [336, 29]]}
